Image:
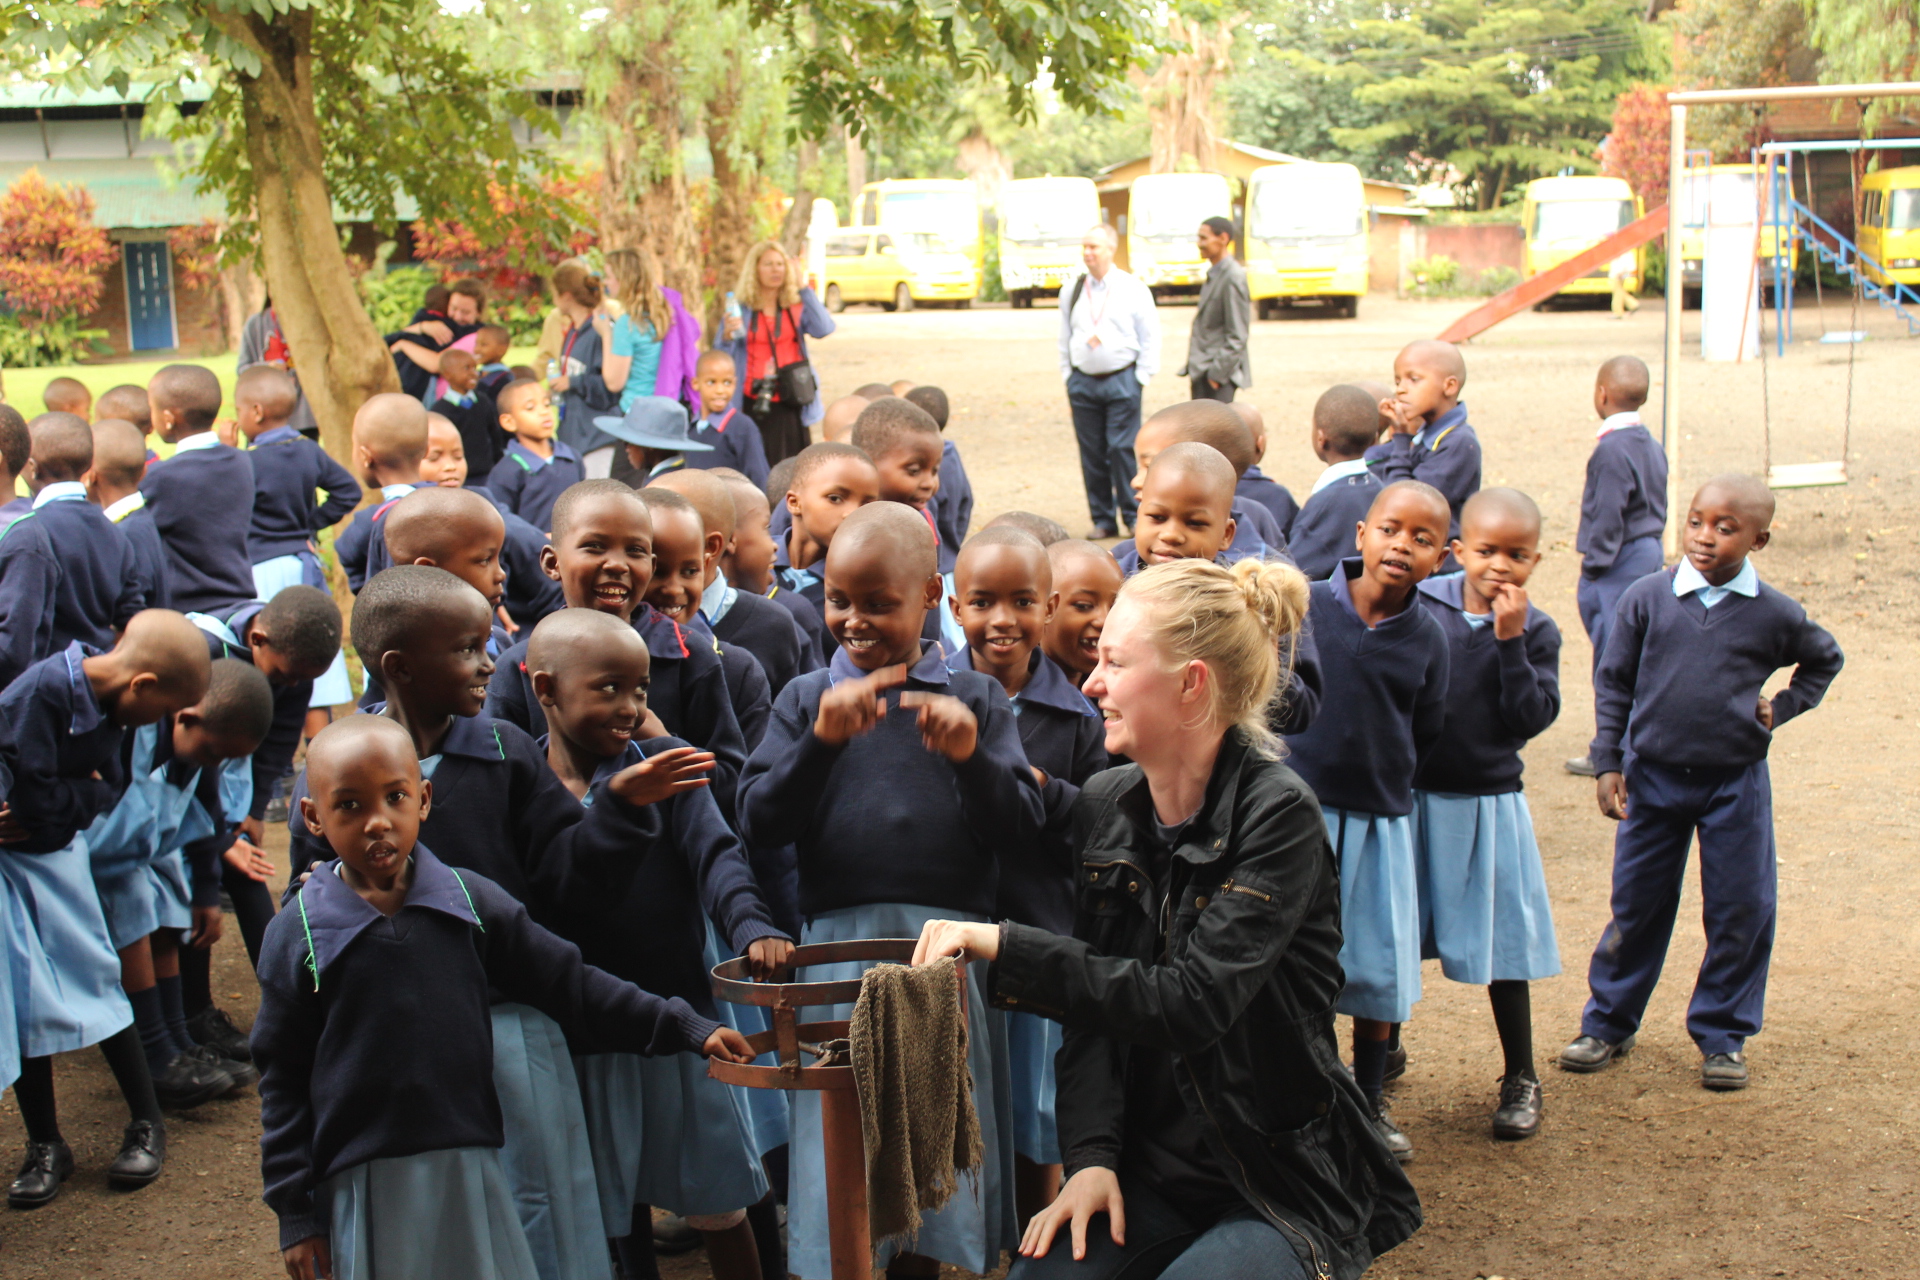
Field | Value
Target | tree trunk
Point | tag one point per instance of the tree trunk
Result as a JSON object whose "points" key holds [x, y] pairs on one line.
{"points": [[644, 196], [793, 228], [856, 173], [736, 181], [340, 357]]}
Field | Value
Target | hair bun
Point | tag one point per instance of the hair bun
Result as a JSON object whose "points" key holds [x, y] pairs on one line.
{"points": [[1275, 592]]}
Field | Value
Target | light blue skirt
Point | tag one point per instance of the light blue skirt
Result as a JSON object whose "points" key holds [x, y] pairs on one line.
{"points": [[438, 1215], [270, 578], [1379, 914], [1032, 1042], [66, 974], [1484, 913], [547, 1159], [766, 1109], [979, 1221], [13, 924]]}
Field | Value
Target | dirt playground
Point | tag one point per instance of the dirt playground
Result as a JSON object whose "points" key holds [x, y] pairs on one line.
{"points": [[1637, 1172]]}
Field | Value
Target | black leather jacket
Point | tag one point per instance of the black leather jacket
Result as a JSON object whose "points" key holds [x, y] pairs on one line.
{"points": [[1243, 998]]}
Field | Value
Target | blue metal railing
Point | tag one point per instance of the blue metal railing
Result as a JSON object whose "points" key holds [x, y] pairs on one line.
{"points": [[1845, 257]]}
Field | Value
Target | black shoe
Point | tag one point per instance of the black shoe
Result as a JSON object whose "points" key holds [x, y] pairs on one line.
{"points": [[190, 1080], [1397, 1142], [1396, 1065], [143, 1153], [48, 1164], [1723, 1072], [1588, 1054], [1518, 1115], [1582, 767], [673, 1237], [213, 1028], [241, 1074]]}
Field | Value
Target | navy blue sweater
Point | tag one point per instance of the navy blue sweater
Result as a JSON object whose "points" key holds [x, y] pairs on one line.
{"points": [[811, 616], [1447, 457], [149, 555], [1323, 532], [1360, 753], [392, 1055], [54, 736], [771, 634], [1679, 682], [274, 758], [1500, 694], [1259, 489], [481, 436], [66, 574], [498, 810], [952, 505], [695, 870], [1625, 497], [529, 484], [736, 443], [881, 818], [202, 500], [688, 691], [1063, 737], [288, 470]]}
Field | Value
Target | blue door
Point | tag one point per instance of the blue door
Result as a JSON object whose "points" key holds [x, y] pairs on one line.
{"points": [[149, 268]]}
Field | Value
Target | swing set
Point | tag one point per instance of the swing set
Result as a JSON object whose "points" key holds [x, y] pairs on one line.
{"points": [[1777, 205]]}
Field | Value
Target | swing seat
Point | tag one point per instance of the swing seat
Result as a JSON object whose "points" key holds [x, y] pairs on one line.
{"points": [[1806, 475]]}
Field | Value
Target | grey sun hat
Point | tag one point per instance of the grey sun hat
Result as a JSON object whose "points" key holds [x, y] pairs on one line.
{"points": [[655, 422]]}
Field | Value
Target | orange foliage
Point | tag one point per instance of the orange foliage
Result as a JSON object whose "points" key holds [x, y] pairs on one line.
{"points": [[53, 259]]}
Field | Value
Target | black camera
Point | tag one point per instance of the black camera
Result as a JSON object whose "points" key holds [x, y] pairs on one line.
{"points": [[763, 393]]}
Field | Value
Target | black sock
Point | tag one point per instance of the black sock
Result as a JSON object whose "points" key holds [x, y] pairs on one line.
{"points": [[174, 1013], [126, 1056], [1513, 1019], [155, 1040], [634, 1251], [1370, 1067], [775, 1163], [196, 980], [764, 1218], [1393, 1036], [34, 1092]]}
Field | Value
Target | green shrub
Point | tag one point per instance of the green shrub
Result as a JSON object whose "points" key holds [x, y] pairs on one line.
{"points": [[1435, 277], [393, 296], [990, 288], [1496, 280], [59, 341]]}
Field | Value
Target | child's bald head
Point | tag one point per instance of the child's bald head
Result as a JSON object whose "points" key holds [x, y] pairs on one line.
{"points": [[159, 666], [1346, 421], [68, 395], [358, 750], [390, 437], [264, 396], [837, 424], [184, 400], [1186, 504], [1622, 386], [1256, 426], [1208, 422], [119, 455], [127, 402], [709, 495], [886, 531], [62, 448]]}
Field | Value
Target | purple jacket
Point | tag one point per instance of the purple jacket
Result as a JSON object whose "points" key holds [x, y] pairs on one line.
{"points": [[679, 352]]}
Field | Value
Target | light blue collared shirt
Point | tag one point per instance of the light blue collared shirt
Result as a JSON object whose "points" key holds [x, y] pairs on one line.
{"points": [[60, 491], [1687, 579], [1338, 471], [1120, 309], [716, 598], [198, 440]]}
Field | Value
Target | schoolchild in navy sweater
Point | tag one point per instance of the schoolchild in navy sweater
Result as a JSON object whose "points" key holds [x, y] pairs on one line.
{"points": [[288, 469], [732, 439], [473, 413], [829, 482], [1385, 660], [1484, 910], [1345, 424], [389, 443], [535, 468], [202, 496], [15, 447], [529, 594], [952, 505], [747, 565], [66, 573], [1216, 425], [1431, 440], [1255, 486], [113, 485], [1680, 746], [375, 1039], [1623, 508], [602, 557]]}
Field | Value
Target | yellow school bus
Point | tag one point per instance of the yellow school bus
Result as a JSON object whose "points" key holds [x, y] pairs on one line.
{"points": [[947, 208], [1889, 231], [1725, 195], [1306, 236], [1564, 216], [1164, 213], [1042, 221]]}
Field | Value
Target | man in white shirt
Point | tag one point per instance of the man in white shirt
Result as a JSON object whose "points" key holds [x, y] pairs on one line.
{"points": [[1109, 351]]}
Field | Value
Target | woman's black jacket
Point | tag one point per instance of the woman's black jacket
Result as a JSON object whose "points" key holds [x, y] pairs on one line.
{"points": [[1243, 998]]}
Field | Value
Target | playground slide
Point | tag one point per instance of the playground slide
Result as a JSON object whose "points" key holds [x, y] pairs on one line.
{"points": [[1543, 286]]}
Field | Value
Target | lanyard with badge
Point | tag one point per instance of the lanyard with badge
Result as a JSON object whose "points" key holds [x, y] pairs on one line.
{"points": [[1106, 300]]}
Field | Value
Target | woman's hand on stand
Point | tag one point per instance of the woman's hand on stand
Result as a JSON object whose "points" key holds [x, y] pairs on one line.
{"points": [[957, 938], [1090, 1191]]}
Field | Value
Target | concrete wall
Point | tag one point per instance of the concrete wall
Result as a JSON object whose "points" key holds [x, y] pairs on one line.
{"points": [[1475, 246]]}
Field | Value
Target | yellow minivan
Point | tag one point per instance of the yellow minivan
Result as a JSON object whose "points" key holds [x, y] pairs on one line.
{"points": [[1889, 231], [897, 269]]}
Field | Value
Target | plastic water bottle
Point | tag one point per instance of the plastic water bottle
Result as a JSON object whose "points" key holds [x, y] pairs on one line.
{"points": [[553, 374], [733, 309]]}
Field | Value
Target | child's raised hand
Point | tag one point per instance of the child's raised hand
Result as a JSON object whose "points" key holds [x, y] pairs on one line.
{"points": [[852, 707], [1764, 713], [728, 1044], [658, 777], [1509, 610], [311, 1259], [947, 726], [765, 956], [1612, 790]]}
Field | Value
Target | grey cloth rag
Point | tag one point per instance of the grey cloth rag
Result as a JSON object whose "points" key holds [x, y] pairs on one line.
{"points": [[917, 1122]]}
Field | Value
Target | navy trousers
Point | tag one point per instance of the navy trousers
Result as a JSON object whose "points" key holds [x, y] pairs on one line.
{"points": [[1597, 596], [1732, 810], [1106, 418], [1164, 1243]]}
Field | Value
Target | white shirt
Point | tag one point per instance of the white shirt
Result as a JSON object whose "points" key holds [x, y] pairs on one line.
{"points": [[60, 491], [716, 598], [1119, 309], [118, 511], [1337, 472], [1687, 579], [199, 440], [1613, 422]]}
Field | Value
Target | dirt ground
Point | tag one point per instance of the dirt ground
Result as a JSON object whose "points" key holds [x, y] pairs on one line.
{"points": [[1637, 1172]]}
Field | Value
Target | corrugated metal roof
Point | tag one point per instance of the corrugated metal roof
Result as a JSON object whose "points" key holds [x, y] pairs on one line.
{"points": [[21, 95], [126, 193]]}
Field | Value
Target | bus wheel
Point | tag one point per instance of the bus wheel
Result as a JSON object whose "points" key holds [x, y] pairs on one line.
{"points": [[835, 303], [902, 297], [1349, 308], [1265, 308], [965, 304]]}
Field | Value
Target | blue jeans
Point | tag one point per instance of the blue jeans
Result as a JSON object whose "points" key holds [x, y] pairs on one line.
{"points": [[1106, 418], [1162, 1242], [1597, 596], [1732, 809]]}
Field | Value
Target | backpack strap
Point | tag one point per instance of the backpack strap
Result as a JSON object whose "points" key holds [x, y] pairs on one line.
{"points": [[1073, 300]]}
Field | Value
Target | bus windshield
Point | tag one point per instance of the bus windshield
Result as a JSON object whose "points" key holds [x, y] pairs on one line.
{"points": [[1580, 219], [1047, 217], [947, 213], [1174, 211], [1303, 207]]}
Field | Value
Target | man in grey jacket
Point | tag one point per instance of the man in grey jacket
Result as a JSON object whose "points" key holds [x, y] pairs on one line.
{"points": [[1217, 346]]}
